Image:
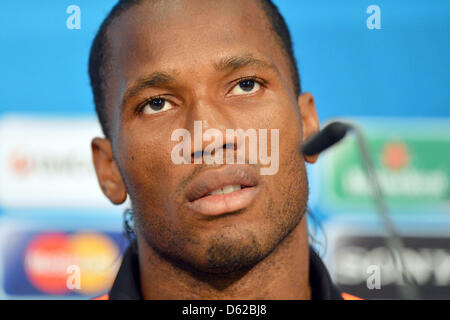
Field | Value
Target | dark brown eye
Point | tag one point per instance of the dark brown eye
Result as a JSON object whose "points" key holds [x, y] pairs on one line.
{"points": [[247, 85], [156, 105], [244, 87]]}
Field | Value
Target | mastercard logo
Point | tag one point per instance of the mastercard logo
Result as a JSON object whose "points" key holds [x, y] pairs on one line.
{"points": [[58, 263]]}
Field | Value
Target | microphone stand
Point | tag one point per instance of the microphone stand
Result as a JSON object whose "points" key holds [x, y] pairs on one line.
{"points": [[330, 135], [408, 290]]}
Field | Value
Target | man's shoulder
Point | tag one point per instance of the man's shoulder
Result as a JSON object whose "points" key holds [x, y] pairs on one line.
{"points": [[347, 296]]}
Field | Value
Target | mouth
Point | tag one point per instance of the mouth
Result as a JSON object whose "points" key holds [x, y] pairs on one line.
{"points": [[225, 190], [220, 191]]}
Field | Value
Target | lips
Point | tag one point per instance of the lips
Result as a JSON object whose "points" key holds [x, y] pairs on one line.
{"points": [[219, 191]]}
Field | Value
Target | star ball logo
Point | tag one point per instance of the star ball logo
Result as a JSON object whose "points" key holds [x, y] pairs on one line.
{"points": [[213, 153]]}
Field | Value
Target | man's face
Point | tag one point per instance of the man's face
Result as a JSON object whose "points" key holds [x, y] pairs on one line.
{"points": [[174, 62]]}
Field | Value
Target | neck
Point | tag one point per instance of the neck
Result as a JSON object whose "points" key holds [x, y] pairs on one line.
{"points": [[284, 274]]}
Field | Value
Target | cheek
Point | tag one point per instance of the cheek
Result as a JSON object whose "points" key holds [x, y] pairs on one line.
{"points": [[146, 168], [281, 112], [291, 175], [286, 119]]}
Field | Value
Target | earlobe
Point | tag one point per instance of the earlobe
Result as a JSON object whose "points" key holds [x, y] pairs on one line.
{"points": [[310, 120], [108, 174]]}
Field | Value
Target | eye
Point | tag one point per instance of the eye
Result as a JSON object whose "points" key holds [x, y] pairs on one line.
{"points": [[156, 105], [246, 86]]}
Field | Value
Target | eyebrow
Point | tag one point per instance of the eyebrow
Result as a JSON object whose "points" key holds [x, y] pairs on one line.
{"points": [[155, 79], [233, 63], [229, 63]]}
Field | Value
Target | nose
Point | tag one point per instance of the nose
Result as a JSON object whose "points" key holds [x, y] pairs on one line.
{"points": [[207, 122]]}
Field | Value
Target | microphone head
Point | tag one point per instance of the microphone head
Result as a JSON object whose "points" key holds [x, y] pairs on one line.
{"points": [[325, 138]]}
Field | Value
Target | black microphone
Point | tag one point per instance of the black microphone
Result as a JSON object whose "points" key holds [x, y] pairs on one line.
{"points": [[325, 138]]}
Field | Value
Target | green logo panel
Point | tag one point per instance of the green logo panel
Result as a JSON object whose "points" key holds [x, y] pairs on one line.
{"points": [[412, 162]]}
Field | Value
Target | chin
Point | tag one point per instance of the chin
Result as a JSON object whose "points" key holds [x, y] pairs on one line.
{"points": [[231, 251]]}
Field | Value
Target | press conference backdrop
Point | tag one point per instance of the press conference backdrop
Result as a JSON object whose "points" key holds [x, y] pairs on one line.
{"points": [[382, 64]]}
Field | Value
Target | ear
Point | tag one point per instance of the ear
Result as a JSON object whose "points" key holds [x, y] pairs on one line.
{"points": [[108, 174], [310, 120]]}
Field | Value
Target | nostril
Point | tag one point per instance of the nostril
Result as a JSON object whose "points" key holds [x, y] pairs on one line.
{"points": [[202, 153], [230, 145], [197, 154]]}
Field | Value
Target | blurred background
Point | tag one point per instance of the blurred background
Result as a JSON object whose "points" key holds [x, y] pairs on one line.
{"points": [[381, 64]]}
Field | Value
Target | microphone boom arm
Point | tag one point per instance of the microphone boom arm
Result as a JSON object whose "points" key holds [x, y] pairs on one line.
{"points": [[329, 136]]}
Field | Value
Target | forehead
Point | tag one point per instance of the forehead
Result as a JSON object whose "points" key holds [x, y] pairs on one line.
{"points": [[181, 36]]}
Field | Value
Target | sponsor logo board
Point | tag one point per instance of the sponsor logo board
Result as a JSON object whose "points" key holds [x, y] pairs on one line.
{"points": [[47, 162], [60, 263], [358, 257], [412, 162]]}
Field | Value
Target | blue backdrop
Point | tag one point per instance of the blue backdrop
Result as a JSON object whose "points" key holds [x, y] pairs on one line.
{"points": [[400, 70]]}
